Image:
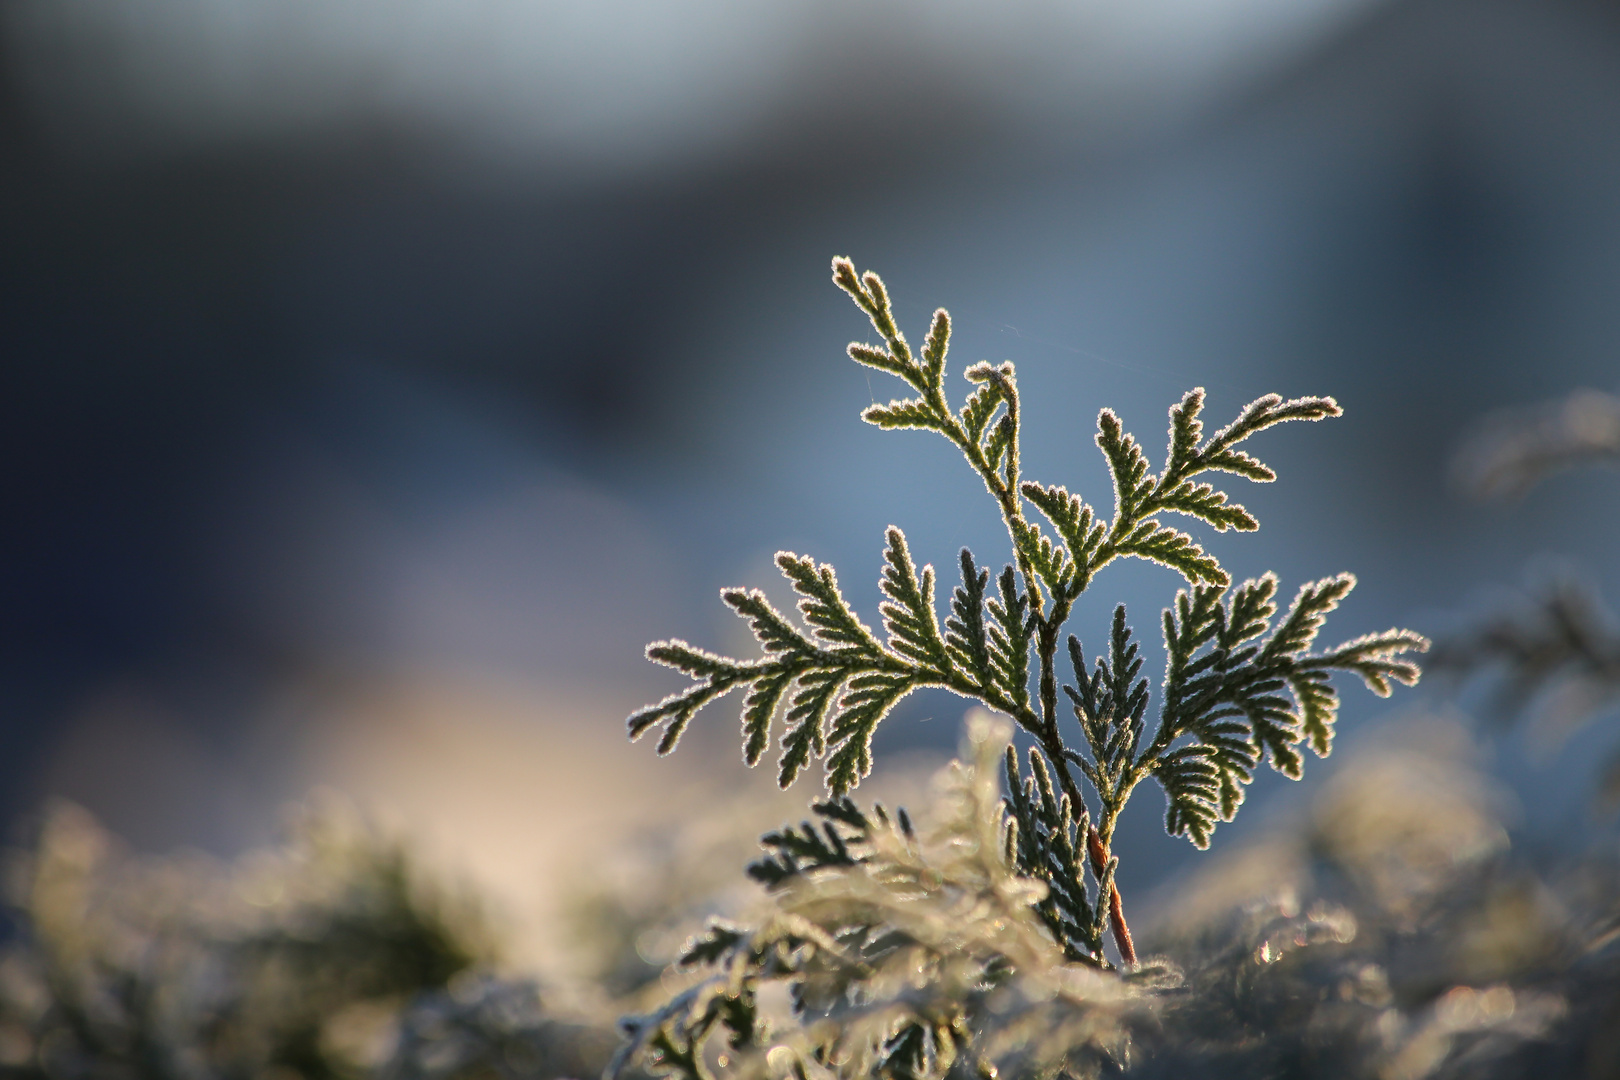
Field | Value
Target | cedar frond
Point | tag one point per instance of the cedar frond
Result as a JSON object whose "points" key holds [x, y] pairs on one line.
{"points": [[1240, 685], [1238, 699]]}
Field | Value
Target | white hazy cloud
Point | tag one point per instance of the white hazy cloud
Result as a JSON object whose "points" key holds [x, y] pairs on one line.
{"points": [[616, 82]]}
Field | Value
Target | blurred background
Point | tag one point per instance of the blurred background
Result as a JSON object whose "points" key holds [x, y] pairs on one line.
{"points": [[380, 377]]}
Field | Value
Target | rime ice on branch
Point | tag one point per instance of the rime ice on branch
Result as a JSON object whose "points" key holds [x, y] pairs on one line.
{"points": [[1237, 688]]}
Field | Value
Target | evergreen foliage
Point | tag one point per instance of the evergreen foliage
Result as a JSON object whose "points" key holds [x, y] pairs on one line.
{"points": [[1237, 689], [1384, 933], [180, 970], [1560, 645], [904, 956], [1387, 931]]}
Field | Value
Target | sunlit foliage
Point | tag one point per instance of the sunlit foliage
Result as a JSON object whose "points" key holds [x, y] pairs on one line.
{"points": [[1238, 688]]}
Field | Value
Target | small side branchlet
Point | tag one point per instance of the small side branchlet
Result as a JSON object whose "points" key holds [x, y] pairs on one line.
{"points": [[1240, 685]]}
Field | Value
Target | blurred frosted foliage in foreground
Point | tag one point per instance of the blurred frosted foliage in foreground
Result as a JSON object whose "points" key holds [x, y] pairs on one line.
{"points": [[482, 1026], [1387, 930], [294, 962], [898, 952]]}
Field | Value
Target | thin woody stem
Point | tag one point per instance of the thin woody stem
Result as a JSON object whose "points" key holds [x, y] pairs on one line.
{"points": [[1052, 743], [1116, 906], [1003, 484]]}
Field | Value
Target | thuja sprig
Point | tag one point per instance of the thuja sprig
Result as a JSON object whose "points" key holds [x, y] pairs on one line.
{"points": [[1236, 690]]}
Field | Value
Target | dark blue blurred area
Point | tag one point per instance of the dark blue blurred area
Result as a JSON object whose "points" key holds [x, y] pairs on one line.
{"points": [[290, 406]]}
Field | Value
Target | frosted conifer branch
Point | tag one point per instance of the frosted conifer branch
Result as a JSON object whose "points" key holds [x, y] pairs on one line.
{"points": [[1231, 695]]}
